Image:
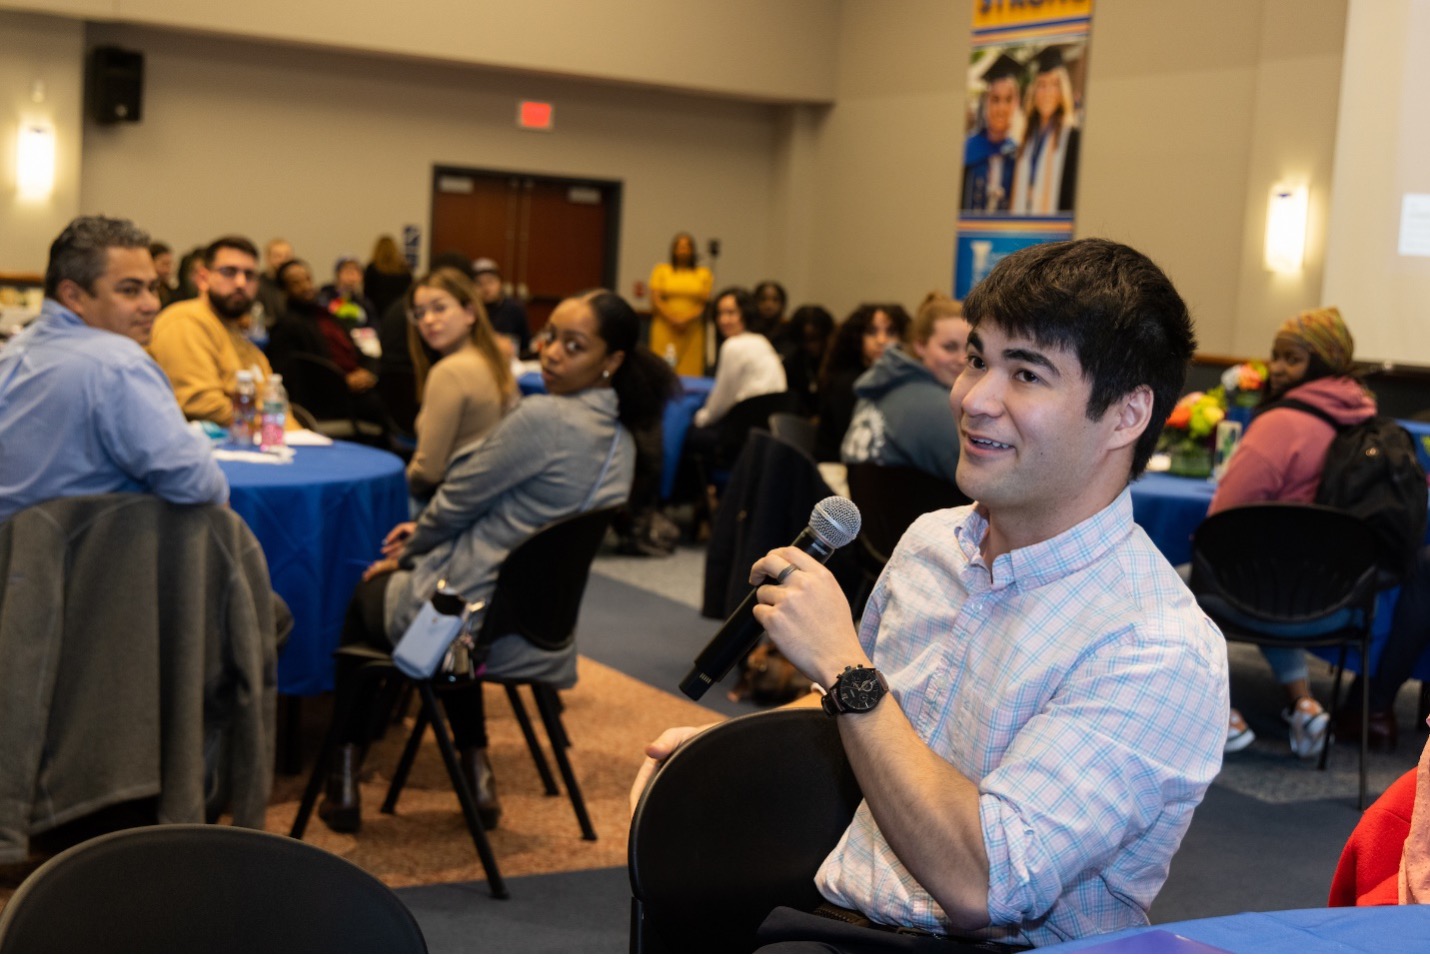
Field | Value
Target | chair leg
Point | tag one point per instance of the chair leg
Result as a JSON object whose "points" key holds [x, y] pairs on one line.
{"points": [[342, 716], [546, 704], [1335, 702], [404, 765], [523, 719], [438, 718]]}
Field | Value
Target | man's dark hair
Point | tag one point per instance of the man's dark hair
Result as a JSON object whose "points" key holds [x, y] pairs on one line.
{"points": [[81, 251], [230, 242], [159, 248], [1108, 304]]}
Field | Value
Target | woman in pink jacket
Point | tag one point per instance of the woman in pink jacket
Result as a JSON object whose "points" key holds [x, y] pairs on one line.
{"points": [[1280, 459]]}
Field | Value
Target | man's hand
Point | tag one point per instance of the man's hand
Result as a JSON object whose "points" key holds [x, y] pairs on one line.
{"points": [[657, 753], [806, 615], [394, 541], [361, 380]]}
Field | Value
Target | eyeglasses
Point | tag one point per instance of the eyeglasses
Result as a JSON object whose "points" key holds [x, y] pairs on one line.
{"points": [[235, 272]]}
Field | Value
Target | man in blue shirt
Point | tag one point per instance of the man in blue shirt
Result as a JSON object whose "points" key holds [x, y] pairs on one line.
{"points": [[83, 409]]}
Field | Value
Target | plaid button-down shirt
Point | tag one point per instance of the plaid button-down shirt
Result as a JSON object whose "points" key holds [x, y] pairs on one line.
{"points": [[1079, 685]]}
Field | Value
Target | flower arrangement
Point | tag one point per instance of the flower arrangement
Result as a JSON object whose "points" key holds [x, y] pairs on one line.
{"points": [[1190, 431]]}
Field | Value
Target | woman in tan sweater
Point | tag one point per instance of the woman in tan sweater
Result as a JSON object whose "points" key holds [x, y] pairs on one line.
{"points": [[465, 392]]}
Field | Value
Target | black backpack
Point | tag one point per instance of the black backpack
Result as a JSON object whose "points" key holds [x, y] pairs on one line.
{"points": [[1372, 472]]}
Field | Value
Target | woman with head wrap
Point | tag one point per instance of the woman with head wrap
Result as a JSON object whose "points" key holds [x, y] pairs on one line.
{"points": [[1280, 459]]}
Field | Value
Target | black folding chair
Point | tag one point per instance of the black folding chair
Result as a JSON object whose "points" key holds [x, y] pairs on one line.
{"points": [[796, 430], [1291, 575], [204, 889], [538, 597], [890, 498], [735, 823]]}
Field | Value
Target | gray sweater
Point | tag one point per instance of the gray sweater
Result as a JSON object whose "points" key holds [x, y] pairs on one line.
{"points": [[542, 463]]}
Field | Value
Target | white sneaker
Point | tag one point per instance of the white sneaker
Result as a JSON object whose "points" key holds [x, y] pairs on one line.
{"points": [[1238, 734], [1310, 725]]}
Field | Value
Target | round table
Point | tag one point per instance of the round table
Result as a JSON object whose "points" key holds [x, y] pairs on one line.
{"points": [[320, 520], [1366, 929]]}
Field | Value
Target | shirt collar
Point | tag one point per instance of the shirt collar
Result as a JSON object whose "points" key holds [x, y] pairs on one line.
{"points": [[57, 313], [1070, 551]]}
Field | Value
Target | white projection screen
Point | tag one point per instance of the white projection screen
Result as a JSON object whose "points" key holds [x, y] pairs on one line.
{"points": [[1378, 242]]}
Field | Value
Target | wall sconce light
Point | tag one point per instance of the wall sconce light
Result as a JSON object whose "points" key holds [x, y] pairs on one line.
{"points": [[1286, 228], [35, 169]]}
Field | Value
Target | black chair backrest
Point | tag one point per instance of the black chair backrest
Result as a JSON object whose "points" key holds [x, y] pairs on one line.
{"points": [[317, 384], [204, 889], [1285, 562], [797, 430], [890, 498], [539, 589], [734, 824], [746, 415]]}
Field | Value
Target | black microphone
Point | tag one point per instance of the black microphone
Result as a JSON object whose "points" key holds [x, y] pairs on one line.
{"points": [[833, 523]]}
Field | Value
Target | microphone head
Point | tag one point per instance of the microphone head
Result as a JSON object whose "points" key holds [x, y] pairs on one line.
{"points": [[835, 520]]}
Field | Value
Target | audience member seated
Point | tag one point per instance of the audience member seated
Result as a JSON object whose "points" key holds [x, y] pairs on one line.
{"points": [[748, 365], [859, 341], [771, 302], [271, 298], [506, 314], [802, 346], [200, 343], [466, 392], [555, 455], [396, 378], [344, 298], [1386, 861], [386, 278], [188, 286], [1041, 708], [903, 417], [163, 257], [1280, 459], [308, 327], [83, 409]]}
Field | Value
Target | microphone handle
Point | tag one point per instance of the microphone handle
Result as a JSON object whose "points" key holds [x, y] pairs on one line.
{"points": [[741, 631]]}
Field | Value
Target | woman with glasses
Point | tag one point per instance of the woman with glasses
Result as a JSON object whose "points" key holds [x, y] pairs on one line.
{"points": [[555, 455], [464, 393]]}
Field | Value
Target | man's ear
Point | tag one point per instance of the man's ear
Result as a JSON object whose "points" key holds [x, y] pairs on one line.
{"points": [[201, 278], [1133, 417], [71, 296]]}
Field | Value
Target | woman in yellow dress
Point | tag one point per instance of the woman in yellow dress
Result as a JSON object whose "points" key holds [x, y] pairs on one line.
{"points": [[678, 293]]}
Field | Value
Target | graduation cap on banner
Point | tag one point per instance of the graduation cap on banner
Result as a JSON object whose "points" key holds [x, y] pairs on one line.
{"points": [[1049, 59], [1002, 68]]}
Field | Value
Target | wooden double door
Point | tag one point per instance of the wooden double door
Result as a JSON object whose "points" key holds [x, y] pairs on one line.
{"points": [[551, 236]]}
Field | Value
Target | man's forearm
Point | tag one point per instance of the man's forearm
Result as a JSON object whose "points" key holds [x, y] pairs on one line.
{"points": [[926, 809]]}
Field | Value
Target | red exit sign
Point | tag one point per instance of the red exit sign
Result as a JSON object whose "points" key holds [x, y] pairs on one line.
{"points": [[535, 115]]}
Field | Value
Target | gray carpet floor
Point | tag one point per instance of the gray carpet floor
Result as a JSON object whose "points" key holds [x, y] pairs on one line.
{"points": [[1267, 836]]}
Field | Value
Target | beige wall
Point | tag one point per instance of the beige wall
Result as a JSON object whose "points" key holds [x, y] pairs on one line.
{"points": [[44, 50], [1194, 110], [331, 150], [753, 49]]}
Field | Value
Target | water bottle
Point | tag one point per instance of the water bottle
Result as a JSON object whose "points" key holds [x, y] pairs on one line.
{"points": [[245, 410], [275, 413]]}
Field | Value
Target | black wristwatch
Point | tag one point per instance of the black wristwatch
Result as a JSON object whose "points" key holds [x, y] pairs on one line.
{"points": [[856, 690]]}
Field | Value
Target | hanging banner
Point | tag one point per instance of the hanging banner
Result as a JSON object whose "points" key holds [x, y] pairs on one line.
{"points": [[1024, 114]]}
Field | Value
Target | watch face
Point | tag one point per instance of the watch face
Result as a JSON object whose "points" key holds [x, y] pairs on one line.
{"points": [[860, 689]]}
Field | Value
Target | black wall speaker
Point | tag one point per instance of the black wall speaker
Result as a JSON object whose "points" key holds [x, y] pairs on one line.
{"points": [[116, 85]]}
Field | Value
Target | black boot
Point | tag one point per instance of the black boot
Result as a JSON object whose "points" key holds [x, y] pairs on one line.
{"points": [[478, 774], [341, 808]]}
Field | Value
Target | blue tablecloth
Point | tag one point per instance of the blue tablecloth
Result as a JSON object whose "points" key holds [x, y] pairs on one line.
{"points": [[1350, 930], [321, 520], [679, 413]]}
